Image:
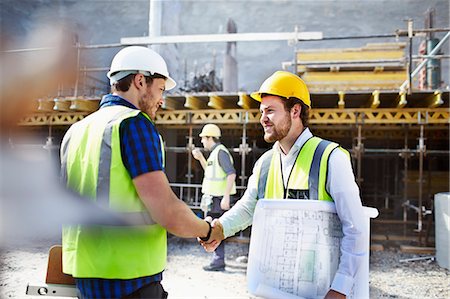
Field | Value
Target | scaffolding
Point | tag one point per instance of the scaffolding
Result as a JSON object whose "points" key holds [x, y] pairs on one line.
{"points": [[358, 119]]}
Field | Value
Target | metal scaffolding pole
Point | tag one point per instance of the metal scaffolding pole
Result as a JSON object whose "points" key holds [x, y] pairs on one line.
{"points": [[420, 182], [244, 149], [358, 153], [405, 155], [190, 147]]}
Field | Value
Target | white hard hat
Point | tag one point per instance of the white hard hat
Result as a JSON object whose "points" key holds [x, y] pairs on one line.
{"points": [[210, 130], [136, 59]]}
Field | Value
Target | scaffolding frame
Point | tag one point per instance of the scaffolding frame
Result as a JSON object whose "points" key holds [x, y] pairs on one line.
{"points": [[58, 111]]}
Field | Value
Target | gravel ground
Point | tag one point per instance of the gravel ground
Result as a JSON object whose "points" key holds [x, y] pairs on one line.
{"points": [[184, 277]]}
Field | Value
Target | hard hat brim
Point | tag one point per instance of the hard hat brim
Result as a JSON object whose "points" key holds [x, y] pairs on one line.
{"points": [[256, 96], [170, 83]]}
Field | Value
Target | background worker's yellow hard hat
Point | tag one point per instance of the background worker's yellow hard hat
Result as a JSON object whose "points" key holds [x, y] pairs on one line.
{"points": [[210, 130], [284, 84]]}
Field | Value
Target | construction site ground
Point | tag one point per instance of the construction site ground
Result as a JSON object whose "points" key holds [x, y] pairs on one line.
{"points": [[184, 277]]}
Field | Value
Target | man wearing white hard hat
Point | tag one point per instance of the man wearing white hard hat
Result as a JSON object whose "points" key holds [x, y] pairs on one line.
{"points": [[218, 184], [115, 157]]}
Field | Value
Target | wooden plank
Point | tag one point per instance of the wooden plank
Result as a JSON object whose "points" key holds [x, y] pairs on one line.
{"points": [[349, 55], [417, 249], [392, 221], [376, 247], [401, 238], [354, 76], [390, 46], [377, 237]]}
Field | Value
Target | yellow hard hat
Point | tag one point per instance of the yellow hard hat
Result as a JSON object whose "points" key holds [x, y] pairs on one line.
{"points": [[284, 84], [210, 130]]}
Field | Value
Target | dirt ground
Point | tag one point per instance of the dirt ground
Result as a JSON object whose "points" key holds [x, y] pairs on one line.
{"points": [[185, 278]]}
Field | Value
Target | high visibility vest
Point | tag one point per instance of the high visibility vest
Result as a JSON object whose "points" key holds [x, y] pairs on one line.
{"points": [[93, 167], [308, 176], [215, 179]]}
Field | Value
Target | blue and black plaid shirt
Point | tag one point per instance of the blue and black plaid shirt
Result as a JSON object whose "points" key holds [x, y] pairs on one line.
{"points": [[141, 153]]}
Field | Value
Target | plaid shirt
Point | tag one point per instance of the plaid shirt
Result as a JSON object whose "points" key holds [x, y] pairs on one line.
{"points": [[141, 153]]}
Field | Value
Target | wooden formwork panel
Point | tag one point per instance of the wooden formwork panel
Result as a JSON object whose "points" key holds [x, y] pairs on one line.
{"points": [[354, 55], [354, 80]]}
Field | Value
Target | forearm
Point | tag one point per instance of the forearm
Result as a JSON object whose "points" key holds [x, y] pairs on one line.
{"points": [[230, 182], [182, 222], [166, 209], [240, 216], [202, 161]]}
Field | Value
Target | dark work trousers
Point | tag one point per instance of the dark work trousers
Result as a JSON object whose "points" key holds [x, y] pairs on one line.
{"points": [[215, 212], [153, 290]]}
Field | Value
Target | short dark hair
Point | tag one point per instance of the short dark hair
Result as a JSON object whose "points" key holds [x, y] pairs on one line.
{"points": [[125, 83], [291, 102], [304, 113]]}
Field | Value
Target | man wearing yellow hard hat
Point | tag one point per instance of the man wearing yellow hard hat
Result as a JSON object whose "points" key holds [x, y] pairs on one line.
{"points": [[300, 166], [218, 184]]}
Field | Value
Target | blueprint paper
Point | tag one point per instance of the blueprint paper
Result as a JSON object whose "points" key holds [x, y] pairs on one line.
{"points": [[295, 249]]}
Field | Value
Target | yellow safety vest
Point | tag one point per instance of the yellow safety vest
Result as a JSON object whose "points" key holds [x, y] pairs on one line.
{"points": [[308, 176], [215, 179], [92, 164]]}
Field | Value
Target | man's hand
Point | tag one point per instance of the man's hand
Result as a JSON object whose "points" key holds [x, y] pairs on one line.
{"points": [[216, 237], [225, 202], [197, 154], [332, 294]]}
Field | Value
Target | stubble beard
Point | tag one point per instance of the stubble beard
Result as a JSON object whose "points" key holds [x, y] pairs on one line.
{"points": [[278, 132], [144, 105]]}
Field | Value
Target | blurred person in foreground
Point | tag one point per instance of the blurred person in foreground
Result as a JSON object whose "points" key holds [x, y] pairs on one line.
{"points": [[33, 203], [300, 166], [114, 157], [218, 184]]}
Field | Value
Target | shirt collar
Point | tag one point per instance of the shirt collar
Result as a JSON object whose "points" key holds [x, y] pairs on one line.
{"points": [[304, 136], [112, 100]]}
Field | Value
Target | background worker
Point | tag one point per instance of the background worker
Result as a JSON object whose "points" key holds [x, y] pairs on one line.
{"points": [[218, 183], [114, 157], [280, 173]]}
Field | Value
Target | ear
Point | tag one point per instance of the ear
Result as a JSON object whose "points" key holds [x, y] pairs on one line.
{"points": [[138, 81], [295, 111]]}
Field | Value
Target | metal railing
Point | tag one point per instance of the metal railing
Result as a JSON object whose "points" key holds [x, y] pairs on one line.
{"points": [[191, 194]]}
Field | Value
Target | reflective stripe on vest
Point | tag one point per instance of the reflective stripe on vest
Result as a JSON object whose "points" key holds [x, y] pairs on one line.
{"points": [[308, 175], [215, 179], [91, 156]]}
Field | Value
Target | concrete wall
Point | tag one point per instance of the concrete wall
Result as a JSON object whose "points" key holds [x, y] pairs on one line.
{"points": [[104, 22]]}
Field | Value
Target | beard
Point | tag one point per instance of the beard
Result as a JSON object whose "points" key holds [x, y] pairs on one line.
{"points": [[278, 132], [144, 106]]}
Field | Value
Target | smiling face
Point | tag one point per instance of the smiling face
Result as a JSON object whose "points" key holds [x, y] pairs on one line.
{"points": [[152, 97], [275, 120]]}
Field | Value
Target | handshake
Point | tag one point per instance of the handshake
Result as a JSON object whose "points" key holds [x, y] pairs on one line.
{"points": [[215, 237]]}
